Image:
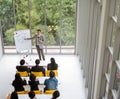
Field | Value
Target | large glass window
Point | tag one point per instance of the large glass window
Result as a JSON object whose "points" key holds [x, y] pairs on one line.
{"points": [[113, 34], [21, 13], [68, 23], [117, 9], [53, 24], [117, 79], [56, 19], [7, 22]]}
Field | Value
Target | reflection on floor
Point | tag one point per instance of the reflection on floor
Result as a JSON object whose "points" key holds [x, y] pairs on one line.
{"points": [[70, 77]]}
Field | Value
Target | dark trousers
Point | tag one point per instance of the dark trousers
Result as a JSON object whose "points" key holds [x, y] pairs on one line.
{"points": [[40, 52], [45, 89]]}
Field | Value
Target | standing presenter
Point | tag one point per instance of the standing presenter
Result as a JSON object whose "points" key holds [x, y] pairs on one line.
{"points": [[39, 40]]}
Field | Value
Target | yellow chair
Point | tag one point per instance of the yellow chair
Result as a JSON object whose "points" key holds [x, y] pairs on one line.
{"points": [[48, 72], [8, 96], [38, 91], [49, 91], [24, 73], [37, 73], [21, 92], [27, 91]]}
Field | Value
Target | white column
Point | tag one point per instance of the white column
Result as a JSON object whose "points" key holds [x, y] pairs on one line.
{"points": [[101, 48], [1, 41]]}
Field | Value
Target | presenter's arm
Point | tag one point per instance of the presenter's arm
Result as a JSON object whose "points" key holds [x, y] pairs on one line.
{"points": [[29, 38]]}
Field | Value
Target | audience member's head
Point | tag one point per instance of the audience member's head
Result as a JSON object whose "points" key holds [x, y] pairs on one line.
{"points": [[56, 94], [52, 74], [37, 61], [31, 95], [17, 76], [22, 62], [32, 77], [52, 60], [14, 95]]}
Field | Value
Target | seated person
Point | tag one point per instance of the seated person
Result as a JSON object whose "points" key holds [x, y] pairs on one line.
{"points": [[22, 67], [51, 83], [38, 68], [53, 65], [56, 94], [18, 83], [33, 82], [31, 95], [13, 95]]}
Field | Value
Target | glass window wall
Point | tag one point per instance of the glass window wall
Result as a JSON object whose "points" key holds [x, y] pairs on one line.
{"points": [[56, 19]]}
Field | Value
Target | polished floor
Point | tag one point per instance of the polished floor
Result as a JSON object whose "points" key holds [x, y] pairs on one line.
{"points": [[71, 84]]}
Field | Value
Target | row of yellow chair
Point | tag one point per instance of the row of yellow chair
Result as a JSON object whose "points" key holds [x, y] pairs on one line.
{"points": [[36, 92], [25, 73]]}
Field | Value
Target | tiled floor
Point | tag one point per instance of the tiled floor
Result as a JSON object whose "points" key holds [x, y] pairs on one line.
{"points": [[70, 76]]}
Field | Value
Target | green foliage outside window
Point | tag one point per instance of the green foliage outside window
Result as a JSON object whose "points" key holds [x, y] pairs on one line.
{"points": [[60, 15]]}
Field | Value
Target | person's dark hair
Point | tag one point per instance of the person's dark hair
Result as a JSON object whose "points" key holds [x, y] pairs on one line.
{"points": [[52, 60], [37, 61], [14, 95], [22, 62], [32, 77], [52, 74], [39, 30], [31, 94], [56, 94], [18, 77]]}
